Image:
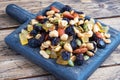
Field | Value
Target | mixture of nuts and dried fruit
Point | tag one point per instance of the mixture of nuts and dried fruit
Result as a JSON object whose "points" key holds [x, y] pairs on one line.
{"points": [[65, 35]]}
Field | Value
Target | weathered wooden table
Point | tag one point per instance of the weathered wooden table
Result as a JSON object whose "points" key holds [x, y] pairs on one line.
{"points": [[14, 66]]}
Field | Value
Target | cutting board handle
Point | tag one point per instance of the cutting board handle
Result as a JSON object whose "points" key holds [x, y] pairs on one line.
{"points": [[18, 13]]}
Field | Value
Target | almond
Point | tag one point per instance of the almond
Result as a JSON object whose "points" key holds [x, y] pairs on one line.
{"points": [[54, 9], [98, 34], [68, 15], [80, 50], [75, 15], [40, 17], [61, 31]]}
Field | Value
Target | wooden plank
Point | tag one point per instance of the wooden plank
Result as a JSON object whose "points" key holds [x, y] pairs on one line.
{"points": [[113, 22], [14, 65], [48, 77], [108, 73], [95, 8]]}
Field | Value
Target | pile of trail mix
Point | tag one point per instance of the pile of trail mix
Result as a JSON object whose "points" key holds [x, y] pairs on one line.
{"points": [[65, 35]]}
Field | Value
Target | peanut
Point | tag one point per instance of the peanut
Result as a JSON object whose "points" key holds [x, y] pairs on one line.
{"points": [[64, 37]]}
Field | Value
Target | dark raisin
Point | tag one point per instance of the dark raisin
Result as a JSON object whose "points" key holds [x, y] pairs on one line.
{"points": [[73, 44], [33, 33], [33, 43], [94, 38], [41, 39], [44, 20], [38, 28], [66, 8], [79, 59], [69, 30], [55, 41], [101, 44], [65, 55]]}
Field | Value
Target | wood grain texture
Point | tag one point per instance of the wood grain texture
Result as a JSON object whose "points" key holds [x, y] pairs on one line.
{"points": [[93, 8], [108, 73]]}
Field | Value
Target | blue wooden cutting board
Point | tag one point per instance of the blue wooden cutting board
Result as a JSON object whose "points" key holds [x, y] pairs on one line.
{"points": [[59, 71]]}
